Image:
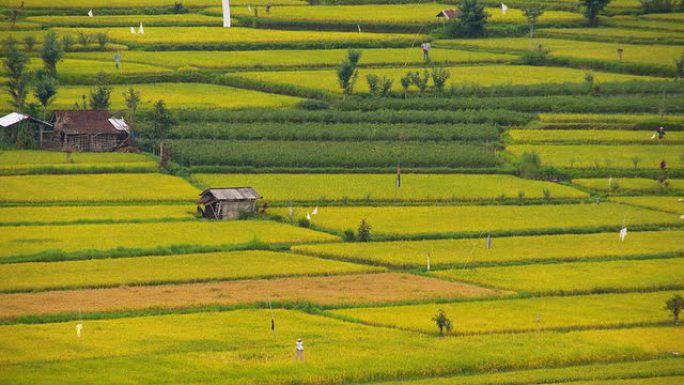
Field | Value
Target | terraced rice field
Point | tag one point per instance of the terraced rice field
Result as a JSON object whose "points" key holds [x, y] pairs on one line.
{"points": [[335, 356], [78, 67], [673, 204], [489, 75], [512, 250], [577, 277], [129, 238], [414, 187], [127, 20], [83, 4], [593, 137], [596, 156], [19, 160], [423, 220], [529, 314], [96, 188], [84, 214], [630, 184], [627, 35]]}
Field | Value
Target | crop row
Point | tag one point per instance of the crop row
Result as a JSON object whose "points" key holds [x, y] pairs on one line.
{"points": [[593, 136], [330, 154], [627, 35]]}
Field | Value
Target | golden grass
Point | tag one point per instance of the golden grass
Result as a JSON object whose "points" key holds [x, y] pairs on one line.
{"points": [[27, 159], [95, 188], [415, 187], [353, 289], [101, 238], [591, 136], [673, 204], [88, 4], [465, 252], [630, 184], [75, 214]]}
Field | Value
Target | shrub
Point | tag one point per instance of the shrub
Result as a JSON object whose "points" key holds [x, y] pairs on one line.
{"points": [[313, 105], [85, 38], [303, 222], [348, 235], [679, 65], [30, 41], [614, 185], [405, 83], [67, 42], [536, 56], [420, 81], [347, 73], [102, 39], [674, 305], [373, 84], [179, 8], [439, 77], [364, 231], [530, 165], [547, 194], [656, 6]]}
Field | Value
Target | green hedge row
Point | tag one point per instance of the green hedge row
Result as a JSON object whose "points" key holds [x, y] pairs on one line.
{"points": [[336, 132], [406, 115], [330, 154]]}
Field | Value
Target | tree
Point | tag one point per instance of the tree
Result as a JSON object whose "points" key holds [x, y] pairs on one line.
{"points": [[679, 67], [532, 14], [442, 322], [102, 39], [44, 89], [529, 166], [591, 9], [52, 52], [406, 83], [373, 84], [439, 77], [674, 305], [656, 6], [471, 21], [67, 42], [18, 77], [30, 41], [100, 95], [347, 72], [132, 99], [420, 82], [364, 231], [162, 122]]}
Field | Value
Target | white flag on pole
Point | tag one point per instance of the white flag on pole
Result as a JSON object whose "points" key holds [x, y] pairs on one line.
{"points": [[308, 216], [90, 13], [315, 211], [359, 27], [226, 14], [79, 330], [504, 8], [141, 30], [249, 8], [133, 30], [623, 234]]}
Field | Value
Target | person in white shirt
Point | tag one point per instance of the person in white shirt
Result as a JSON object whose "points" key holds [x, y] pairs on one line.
{"points": [[299, 350]]}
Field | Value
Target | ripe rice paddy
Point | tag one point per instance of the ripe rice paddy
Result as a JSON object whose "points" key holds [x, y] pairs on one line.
{"points": [[630, 184], [522, 249], [18, 160], [167, 269], [414, 187], [76, 67], [348, 289], [486, 75], [80, 214], [127, 20], [88, 4], [95, 188], [627, 35], [596, 156], [673, 204], [577, 277], [239, 347], [431, 220], [529, 314], [122, 239], [600, 136]]}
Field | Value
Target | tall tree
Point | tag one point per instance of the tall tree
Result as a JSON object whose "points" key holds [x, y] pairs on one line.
{"points": [[471, 21], [532, 14], [132, 99], [162, 122], [347, 72], [18, 77], [591, 9], [100, 95], [675, 305], [51, 53], [45, 90]]}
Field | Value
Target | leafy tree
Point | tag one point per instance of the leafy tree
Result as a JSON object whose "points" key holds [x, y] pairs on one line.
{"points": [[67, 42], [364, 231], [405, 83], [132, 99], [471, 21], [102, 39], [51, 53], [674, 305], [347, 72], [15, 70], [420, 82], [591, 9], [442, 322], [100, 95], [529, 166], [30, 41], [373, 84], [439, 77], [532, 14], [386, 86], [656, 6], [44, 89], [162, 122]]}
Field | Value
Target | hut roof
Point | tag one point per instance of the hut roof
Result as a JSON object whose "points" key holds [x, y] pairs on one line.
{"points": [[15, 117], [449, 13], [74, 122], [228, 194]]}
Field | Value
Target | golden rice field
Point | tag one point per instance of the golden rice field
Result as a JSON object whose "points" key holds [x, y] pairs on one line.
{"points": [[74, 214], [96, 239], [76, 67], [127, 20], [414, 187], [520, 249], [632, 53], [639, 23], [630, 184], [168, 269], [422, 220], [18, 160], [419, 14], [617, 137], [235, 36], [96, 188], [291, 57], [485, 75], [239, 347], [614, 34], [673, 17], [577, 277], [673, 204], [611, 118], [86, 4], [644, 371], [603, 156], [528, 314], [175, 95], [347, 289]]}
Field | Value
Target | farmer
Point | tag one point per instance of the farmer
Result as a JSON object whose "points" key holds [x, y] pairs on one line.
{"points": [[661, 132], [663, 165], [117, 60], [299, 350], [426, 51], [268, 8]]}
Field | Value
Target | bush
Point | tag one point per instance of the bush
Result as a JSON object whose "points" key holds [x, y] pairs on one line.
{"points": [[303, 222], [471, 22], [536, 56], [348, 235], [656, 6], [364, 231], [530, 165], [313, 105], [102, 39]]}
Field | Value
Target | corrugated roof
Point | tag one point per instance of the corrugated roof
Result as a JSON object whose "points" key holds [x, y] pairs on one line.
{"points": [[119, 124], [231, 193], [12, 118], [75, 122]]}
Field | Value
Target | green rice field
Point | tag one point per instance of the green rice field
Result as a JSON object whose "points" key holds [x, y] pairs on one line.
{"points": [[630, 184], [593, 137], [595, 156]]}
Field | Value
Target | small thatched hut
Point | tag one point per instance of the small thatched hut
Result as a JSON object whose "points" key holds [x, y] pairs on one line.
{"points": [[228, 202]]}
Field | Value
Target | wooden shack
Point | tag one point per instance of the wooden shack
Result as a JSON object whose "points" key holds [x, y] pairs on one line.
{"points": [[227, 202], [89, 130], [449, 14]]}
